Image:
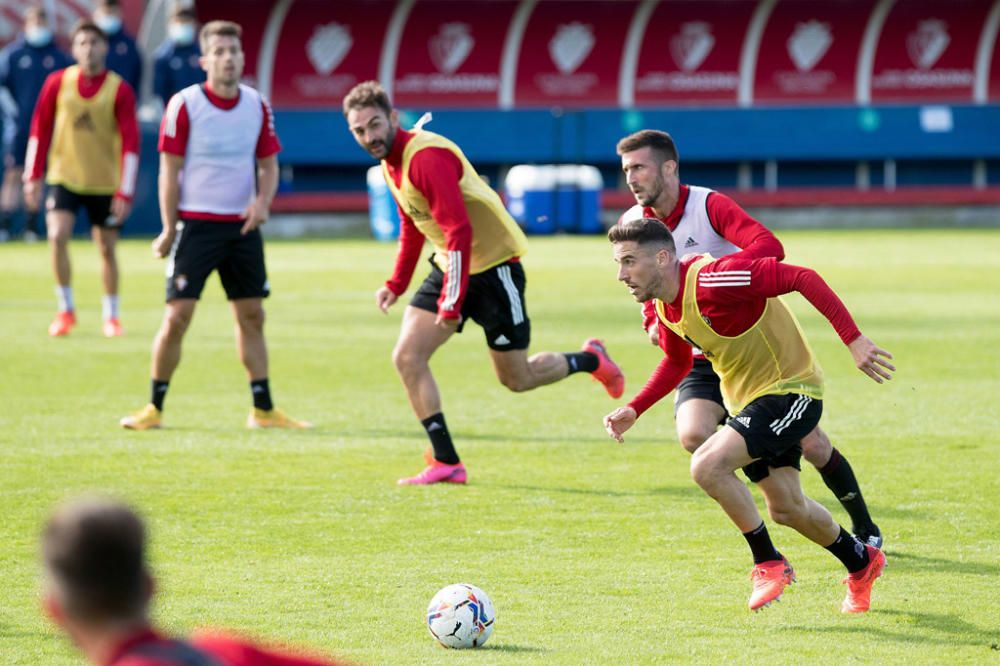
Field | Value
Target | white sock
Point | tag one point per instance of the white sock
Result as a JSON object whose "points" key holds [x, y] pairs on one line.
{"points": [[109, 306], [65, 296]]}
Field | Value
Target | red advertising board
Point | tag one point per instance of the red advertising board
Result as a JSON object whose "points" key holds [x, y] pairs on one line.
{"points": [[927, 51], [325, 48], [252, 17], [809, 52], [571, 53], [690, 53], [993, 91], [450, 54]]}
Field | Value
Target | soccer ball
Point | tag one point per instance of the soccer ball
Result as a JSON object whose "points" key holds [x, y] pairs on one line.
{"points": [[461, 616]]}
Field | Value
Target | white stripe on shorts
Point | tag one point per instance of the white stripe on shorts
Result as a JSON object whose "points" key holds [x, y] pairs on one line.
{"points": [[796, 411], [516, 311]]}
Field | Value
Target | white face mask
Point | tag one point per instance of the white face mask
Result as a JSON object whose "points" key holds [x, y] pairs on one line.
{"points": [[109, 23], [181, 34], [38, 35]]}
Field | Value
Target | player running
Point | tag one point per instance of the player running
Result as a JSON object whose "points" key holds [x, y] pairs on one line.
{"points": [[771, 384], [476, 273], [704, 221]]}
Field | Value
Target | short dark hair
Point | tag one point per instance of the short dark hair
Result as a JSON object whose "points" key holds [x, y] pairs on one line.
{"points": [[86, 25], [221, 28], [644, 231], [661, 143], [94, 552], [365, 94]]}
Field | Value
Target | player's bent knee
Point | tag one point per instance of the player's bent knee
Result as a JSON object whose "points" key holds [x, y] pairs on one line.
{"points": [[704, 471], [515, 383], [816, 448], [787, 514], [692, 438]]}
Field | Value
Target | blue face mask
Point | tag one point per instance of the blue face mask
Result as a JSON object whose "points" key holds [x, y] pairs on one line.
{"points": [[181, 34], [38, 35], [109, 23]]}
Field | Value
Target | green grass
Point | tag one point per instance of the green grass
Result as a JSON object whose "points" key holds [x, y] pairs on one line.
{"points": [[593, 553]]}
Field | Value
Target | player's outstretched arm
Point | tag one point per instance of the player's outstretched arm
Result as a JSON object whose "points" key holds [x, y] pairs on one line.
{"points": [[620, 420], [871, 359]]}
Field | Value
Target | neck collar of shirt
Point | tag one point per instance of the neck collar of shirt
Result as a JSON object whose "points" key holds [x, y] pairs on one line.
{"points": [[224, 103], [395, 156], [674, 217], [93, 81], [145, 635]]}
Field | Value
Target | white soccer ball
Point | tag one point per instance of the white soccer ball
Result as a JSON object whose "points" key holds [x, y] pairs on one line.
{"points": [[461, 616]]}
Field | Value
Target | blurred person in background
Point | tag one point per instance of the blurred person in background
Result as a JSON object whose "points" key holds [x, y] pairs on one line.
{"points": [[25, 63], [85, 141], [177, 62], [123, 55]]}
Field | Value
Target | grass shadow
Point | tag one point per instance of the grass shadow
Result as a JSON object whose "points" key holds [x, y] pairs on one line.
{"points": [[512, 648], [684, 492], [928, 628], [909, 560]]}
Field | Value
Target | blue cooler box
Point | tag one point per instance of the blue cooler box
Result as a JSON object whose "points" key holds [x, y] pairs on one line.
{"points": [[382, 210], [549, 198]]}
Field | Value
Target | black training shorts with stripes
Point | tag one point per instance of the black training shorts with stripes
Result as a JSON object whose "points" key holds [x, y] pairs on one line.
{"points": [[494, 300], [773, 427], [203, 246]]}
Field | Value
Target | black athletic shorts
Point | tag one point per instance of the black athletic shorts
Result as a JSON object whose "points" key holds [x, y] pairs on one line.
{"points": [[98, 206], [494, 300], [773, 427], [701, 382], [202, 246]]}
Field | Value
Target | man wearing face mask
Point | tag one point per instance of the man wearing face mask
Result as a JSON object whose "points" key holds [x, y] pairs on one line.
{"points": [[24, 66], [177, 63], [123, 55]]}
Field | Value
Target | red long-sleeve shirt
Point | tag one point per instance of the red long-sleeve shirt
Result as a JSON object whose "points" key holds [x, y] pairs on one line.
{"points": [[435, 172], [733, 308], [730, 222], [43, 122]]}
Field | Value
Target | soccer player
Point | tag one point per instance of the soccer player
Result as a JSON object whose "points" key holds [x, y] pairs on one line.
{"points": [[177, 62], [84, 128], [476, 273], [218, 176], [24, 65], [98, 589], [704, 221], [771, 383], [123, 55]]}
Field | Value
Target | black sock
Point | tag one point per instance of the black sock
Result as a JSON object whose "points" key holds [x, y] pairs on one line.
{"points": [[850, 551], [5, 219], [261, 394], [839, 477], [157, 392], [582, 362], [760, 544], [437, 431], [31, 221]]}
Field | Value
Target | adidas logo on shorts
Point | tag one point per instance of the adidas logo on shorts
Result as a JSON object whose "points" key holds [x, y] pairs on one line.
{"points": [[743, 420]]}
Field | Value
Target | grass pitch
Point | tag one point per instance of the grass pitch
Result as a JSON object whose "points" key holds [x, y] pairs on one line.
{"points": [[593, 553]]}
